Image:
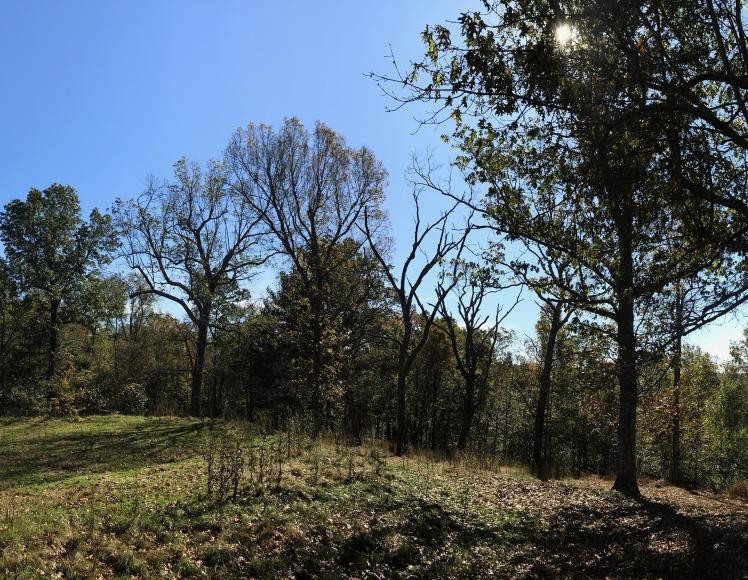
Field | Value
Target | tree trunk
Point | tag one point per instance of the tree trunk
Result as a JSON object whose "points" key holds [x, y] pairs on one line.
{"points": [[677, 363], [401, 437], [403, 368], [507, 412], [627, 375], [199, 363], [626, 474], [315, 377], [54, 307], [468, 412], [544, 393]]}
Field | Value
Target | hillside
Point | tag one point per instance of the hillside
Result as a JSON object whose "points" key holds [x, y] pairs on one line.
{"points": [[108, 496]]}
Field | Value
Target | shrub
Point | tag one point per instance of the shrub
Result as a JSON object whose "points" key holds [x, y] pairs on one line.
{"points": [[131, 399]]}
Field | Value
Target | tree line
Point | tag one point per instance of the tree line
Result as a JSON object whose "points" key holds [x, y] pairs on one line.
{"points": [[603, 151]]}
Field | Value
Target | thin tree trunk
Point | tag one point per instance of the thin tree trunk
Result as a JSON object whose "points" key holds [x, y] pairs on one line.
{"points": [[315, 377], [317, 290], [507, 409], [627, 375], [401, 443], [544, 393], [626, 474], [677, 363], [403, 368]]}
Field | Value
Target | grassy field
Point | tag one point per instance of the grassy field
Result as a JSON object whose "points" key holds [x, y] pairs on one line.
{"points": [[127, 496]]}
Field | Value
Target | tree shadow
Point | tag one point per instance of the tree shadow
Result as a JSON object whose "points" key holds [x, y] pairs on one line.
{"points": [[49, 458], [429, 540], [641, 539]]}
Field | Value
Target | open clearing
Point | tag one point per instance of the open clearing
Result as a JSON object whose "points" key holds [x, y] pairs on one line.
{"points": [[126, 496]]}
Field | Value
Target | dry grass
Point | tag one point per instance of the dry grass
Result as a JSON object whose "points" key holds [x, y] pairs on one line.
{"points": [[738, 489]]}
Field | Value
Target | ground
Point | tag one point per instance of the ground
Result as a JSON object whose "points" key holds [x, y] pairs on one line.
{"points": [[127, 496]]}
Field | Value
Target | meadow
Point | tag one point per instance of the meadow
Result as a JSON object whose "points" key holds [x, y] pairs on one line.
{"points": [[123, 496]]}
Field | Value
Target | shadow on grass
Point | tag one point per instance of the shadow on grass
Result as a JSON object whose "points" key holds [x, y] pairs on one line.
{"points": [[641, 539], [412, 537], [52, 457], [371, 531]]}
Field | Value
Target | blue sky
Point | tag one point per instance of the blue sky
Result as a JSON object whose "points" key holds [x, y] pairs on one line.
{"points": [[101, 94]]}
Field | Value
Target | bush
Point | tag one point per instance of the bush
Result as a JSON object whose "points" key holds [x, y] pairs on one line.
{"points": [[131, 399]]}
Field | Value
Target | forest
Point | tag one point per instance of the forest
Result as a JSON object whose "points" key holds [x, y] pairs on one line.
{"points": [[599, 171]]}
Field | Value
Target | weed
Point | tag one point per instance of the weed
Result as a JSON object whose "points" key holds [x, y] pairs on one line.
{"points": [[224, 456]]}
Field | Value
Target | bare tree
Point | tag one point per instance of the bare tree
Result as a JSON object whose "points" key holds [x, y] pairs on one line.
{"points": [[543, 275], [447, 241], [474, 341], [193, 242]]}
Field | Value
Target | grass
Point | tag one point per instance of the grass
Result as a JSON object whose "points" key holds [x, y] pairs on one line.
{"points": [[126, 496]]}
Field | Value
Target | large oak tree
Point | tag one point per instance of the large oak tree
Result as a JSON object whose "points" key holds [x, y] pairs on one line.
{"points": [[51, 251], [193, 242]]}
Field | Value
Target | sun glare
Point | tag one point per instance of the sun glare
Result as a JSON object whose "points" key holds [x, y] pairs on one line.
{"points": [[564, 34]]}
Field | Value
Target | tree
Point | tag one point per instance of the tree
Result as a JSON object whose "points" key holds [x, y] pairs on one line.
{"points": [[606, 219], [691, 60], [436, 387], [193, 241], [351, 308], [553, 312], [543, 273], [447, 243], [476, 354], [675, 468], [11, 324], [51, 250], [727, 419], [688, 58], [580, 414], [574, 165], [311, 191]]}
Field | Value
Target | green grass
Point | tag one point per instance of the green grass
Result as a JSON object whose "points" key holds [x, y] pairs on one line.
{"points": [[42, 451], [126, 496]]}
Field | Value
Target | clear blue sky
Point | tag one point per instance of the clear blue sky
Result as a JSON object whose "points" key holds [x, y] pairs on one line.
{"points": [[100, 94]]}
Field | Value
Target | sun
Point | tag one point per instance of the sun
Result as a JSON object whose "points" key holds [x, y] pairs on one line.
{"points": [[564, 34]]}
